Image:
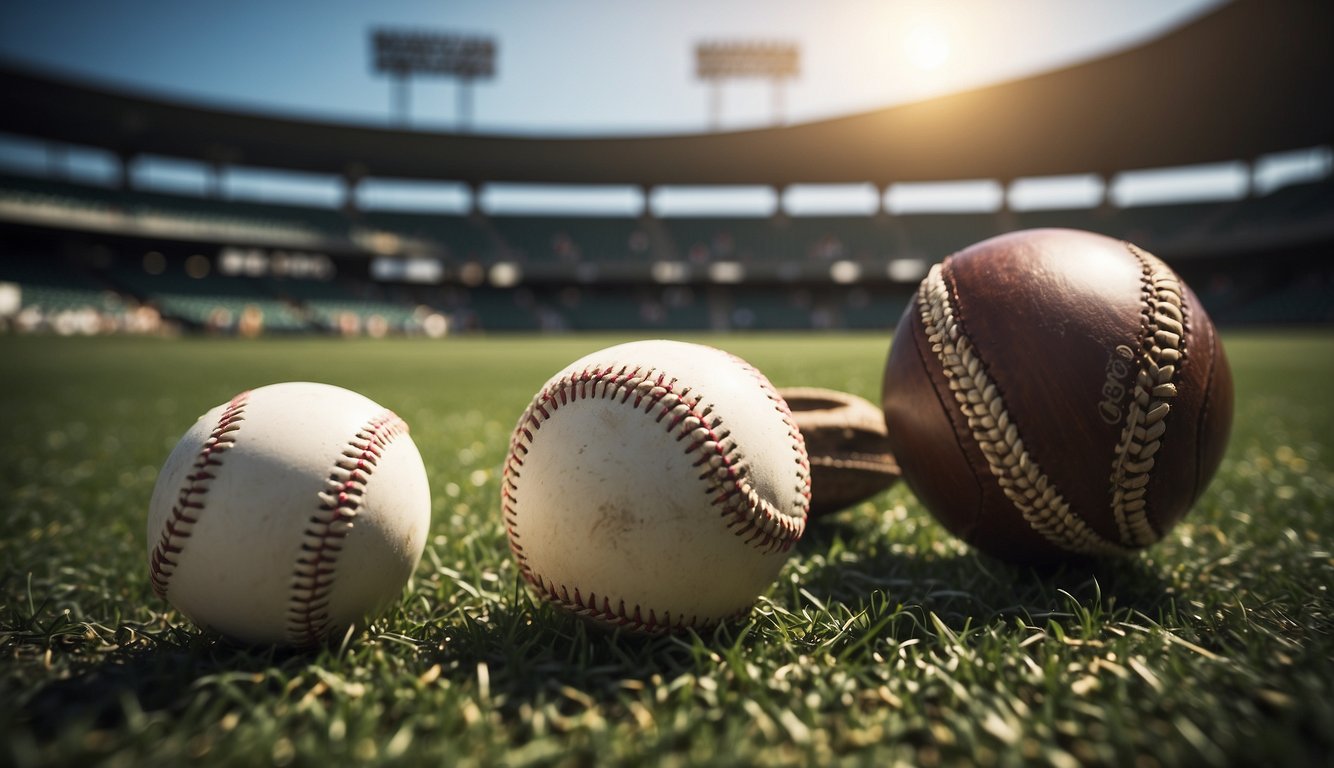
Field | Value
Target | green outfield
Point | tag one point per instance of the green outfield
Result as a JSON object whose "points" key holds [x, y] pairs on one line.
{"points": [[884, 641]]}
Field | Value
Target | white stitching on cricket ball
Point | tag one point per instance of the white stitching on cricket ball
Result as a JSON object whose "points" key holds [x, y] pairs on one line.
{"points": [[1017, 473], [1162, 352]]}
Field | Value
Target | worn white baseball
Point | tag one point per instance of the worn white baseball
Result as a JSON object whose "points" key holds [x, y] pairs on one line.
{"points": [[656, 486], [288, 515]]}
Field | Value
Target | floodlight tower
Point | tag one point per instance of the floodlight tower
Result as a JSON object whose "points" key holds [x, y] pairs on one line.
{"points": [[718, 61], [402, 53]]}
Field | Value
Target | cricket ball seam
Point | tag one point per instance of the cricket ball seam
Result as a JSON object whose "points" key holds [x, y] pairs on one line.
{"points": [[1162, 352], [189, 506], [855, 460], [1206, 410], [761, 525], [997, 437], [323, 538]]}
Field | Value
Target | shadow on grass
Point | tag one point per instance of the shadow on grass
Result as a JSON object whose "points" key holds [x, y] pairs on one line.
{"points": [[967, 587], [147, 674], [520, 651], [529, 650]]}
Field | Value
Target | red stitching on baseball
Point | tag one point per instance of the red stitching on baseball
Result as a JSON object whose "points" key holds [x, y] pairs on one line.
{"points": [[313, 575], [801, 458], [752, 518], [162, 562], [591, 607]]}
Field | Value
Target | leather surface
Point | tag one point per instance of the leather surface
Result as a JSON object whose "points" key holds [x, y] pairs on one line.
{"points": [[1046, 311], [845, 440]]}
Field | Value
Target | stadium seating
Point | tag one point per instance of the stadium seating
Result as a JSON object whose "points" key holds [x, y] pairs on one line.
{"points": [[876, 310], [832, 238], [490, 309], [561, 256], [1102, 219], [1164, 229], [704, 240], [343, 306], [1301, 209], [457, 239], [217, 302], [47, 289], [934, 236], [166, 215], [241, 220], [570, 240], [584, 310]]}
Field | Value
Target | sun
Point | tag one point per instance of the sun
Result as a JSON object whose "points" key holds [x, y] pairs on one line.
{"points": [[927, 46]]}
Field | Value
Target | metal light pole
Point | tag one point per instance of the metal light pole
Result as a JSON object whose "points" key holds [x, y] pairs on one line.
{"points": [[775, 61], [403, 53]]}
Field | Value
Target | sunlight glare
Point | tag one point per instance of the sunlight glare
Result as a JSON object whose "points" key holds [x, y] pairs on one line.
{"points": [[927, 46]]}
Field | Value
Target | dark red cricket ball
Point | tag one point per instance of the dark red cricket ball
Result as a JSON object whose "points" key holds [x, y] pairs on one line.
{"points": [[1055, 393]]}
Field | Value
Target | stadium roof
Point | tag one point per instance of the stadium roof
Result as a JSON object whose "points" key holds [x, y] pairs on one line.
{"points": [[1252, 77]]}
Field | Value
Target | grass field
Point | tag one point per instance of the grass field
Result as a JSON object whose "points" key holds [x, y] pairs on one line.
{"points": [[883, 641]]}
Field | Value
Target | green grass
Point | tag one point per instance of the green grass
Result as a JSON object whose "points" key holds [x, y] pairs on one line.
{"points": [[883, 641]]}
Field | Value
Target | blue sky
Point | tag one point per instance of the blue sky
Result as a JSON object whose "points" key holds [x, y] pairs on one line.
{"points": [[581, 66], [597, 67]]}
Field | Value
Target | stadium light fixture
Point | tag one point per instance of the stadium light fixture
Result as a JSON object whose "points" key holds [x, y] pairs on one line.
{"points": [[716, 61], [404, 53], [907, 270], [726, 272], [505, 274], [670, 271], [11, 299], [845, 272]]}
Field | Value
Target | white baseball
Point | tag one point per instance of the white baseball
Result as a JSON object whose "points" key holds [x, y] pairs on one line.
{"points": [[288, 515], [655, 485]]}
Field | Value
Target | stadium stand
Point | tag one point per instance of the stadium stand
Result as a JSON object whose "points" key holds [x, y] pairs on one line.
{"points": [[52, 297], [558, 252], [756, 308], [867, 310], [1102, 219], [451, 237], [212, 302], [1308, 300], [156, 214], [73, 247], [589, 310], [347, 307], [490, 309], [865, 239], [935, 235], [1298, 212], [569, 240], [704, 240]]}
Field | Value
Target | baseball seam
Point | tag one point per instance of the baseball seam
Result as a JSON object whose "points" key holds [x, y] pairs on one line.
{"points": [[602, 610], [323, 539], [796, 442], [1162, 352], [749, 516], [189, 504], [1018, 474]]}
